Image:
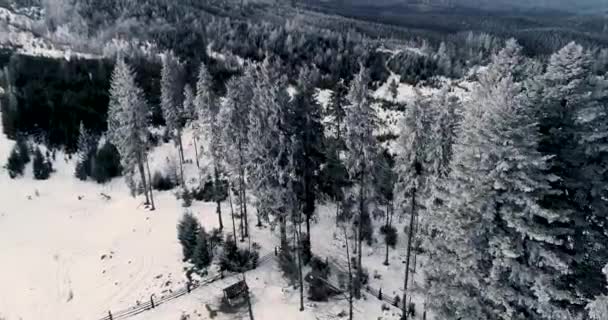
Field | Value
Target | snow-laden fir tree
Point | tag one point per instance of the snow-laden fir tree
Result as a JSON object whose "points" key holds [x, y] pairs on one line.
{"points": [[171, 103], [362, 151], [234, 122], [306, 129], [128, 120], [413, 170], [269, 146], [335, 109], [210, 130], [573, 133], [598, 308], [500, 254], [191, 115]]}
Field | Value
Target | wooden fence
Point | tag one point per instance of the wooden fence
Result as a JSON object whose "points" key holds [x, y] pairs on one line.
{"points": [[152, 303]]}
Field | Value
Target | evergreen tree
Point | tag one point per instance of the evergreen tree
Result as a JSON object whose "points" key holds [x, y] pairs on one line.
{"points": [[573, 131], [413, 170], [211, 130], [87, 147], [187, 233], [335, 109], [393, 89], [128, 119], [307, 130], [171, 102], [495, 233], [269, 148], [106, 163], [362, 153], [235, 125], [15, 164], [202, 255], [42, 167]]}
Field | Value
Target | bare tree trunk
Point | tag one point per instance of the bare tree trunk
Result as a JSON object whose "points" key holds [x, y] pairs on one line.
{"points": [[360, 239], [198, 165], [409, 251], [142, 173], [298, 229], [243, 193], [337, 210], [216, 194], [283, 234], [232, 213], [388, 224], [180, 144], [258, 215], [350, 279], [150, 185]]}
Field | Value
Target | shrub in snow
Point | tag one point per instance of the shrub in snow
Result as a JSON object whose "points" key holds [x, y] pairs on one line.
{"points": [[234, 259], [187, 232], [202, 255], [187, 198], [15, 164], [23, 149], [162, 182], [206, 191], [106, 163], [42, 167], [390, 235], [288, 264], [318, 289]]}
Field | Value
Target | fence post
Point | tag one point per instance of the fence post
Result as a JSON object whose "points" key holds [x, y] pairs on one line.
{"points": [[188, 286], [152, 301], [110, 315]]}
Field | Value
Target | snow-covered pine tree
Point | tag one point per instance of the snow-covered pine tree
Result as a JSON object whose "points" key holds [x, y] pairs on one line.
{"points": [[269, 149], [234, 120], [500, 254], [171, 102], [128, 119], [208, 122], [362, 151], [86, 151], [393, 89], [335, 109], [190, 114], [413, 170], [573, 133], [306, 129], [598, 308]]}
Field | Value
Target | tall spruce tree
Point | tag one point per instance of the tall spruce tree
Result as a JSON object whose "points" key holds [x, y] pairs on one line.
{"points": [[211, 131], [235, 124], [128, 120], [307, 135], [269, 145], [171, 102], [413, 171], [362, 152], [573, 131]]}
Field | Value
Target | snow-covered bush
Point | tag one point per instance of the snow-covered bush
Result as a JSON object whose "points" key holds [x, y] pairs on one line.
{"points": [[162, 182], [203, 254], [390, 235], [187, 233], [18, 158], [42, 167], [106, 163], [237, 260]]}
